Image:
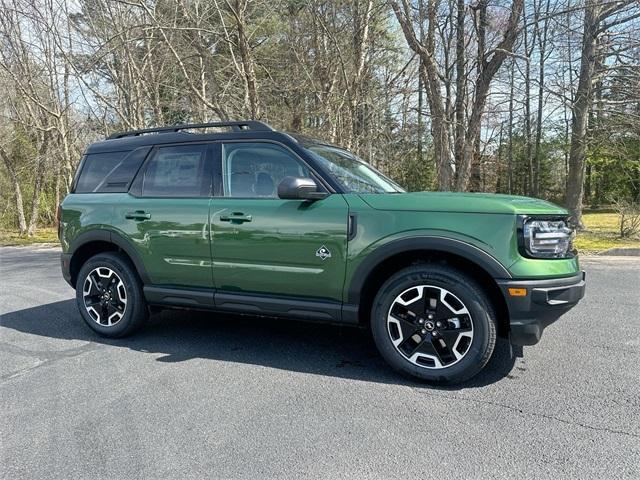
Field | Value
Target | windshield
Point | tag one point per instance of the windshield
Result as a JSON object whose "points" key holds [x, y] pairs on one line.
{"points": [[353, 174]]}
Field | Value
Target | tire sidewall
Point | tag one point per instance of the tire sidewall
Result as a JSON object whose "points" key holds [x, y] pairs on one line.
{"points": [[468, 293], [135, 301]]}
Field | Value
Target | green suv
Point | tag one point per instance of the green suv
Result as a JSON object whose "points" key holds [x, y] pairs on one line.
{"points": [[255, 221]]}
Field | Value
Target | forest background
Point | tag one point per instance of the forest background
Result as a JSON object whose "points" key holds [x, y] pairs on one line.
{"points": [[526, 97]]}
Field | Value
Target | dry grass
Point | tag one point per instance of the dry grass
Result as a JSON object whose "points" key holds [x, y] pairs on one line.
{"points": [[602, 233], [42, 235]]}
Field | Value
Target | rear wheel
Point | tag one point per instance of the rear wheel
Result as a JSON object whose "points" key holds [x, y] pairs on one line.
{"points": [[435, 323], [109, 295]]}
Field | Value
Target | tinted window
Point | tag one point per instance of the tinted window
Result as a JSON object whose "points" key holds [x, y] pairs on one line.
{"points": [[256, 169], [179, 171], [120, 177], [95, 168]]}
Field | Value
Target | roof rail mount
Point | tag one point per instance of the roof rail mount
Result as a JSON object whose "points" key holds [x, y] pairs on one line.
{"points": [[236, 126]]}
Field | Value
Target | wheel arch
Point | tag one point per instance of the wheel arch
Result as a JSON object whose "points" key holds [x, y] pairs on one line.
{"points": [[398, 254], [93, 242]]}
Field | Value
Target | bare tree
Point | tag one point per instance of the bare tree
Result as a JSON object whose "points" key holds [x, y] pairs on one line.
{"points": [[434, 108], [490, 63], [599, 17], [17, 191], [440, 128]]}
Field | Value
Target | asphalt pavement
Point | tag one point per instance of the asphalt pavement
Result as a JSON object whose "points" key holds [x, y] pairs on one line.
{"points": [[199, 395]]}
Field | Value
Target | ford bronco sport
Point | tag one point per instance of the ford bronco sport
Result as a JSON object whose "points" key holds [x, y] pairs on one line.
{"points": [[256, 221]]}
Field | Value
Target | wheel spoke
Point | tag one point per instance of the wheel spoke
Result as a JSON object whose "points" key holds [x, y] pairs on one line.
{"points": [[408, 323], [417, 307], [444, 349], [95, 286], [411, 343], [427, 347], [92, 302]]}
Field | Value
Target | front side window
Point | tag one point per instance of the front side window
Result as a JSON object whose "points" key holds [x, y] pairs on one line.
{"points": [[178, 171], [353, 174], [254, 170]]}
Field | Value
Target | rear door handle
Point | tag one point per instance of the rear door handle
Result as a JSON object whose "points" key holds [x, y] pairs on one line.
{"points": [[137, 215], [236, 217]]}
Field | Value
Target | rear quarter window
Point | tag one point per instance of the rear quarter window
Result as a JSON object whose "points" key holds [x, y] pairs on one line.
{"points": [[95, 168]]}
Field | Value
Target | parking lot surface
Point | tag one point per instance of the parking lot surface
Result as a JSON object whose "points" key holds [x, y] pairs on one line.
{"points": [[197, 395]]}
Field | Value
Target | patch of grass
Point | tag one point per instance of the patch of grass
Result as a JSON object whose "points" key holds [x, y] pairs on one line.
{"points": [[602, 233], [42, 235]]}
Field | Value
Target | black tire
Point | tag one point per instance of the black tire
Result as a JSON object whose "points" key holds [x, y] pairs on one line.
{"points": [[128, 319], [481, 318]]}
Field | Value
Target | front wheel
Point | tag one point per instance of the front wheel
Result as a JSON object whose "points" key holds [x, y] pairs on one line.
{"points": [[435, 323], [109, 295]]}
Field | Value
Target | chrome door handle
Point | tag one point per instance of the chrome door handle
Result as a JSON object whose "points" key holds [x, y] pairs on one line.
{"points": [[137, 215]]}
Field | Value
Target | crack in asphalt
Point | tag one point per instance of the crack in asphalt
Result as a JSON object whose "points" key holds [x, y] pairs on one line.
{"points": [[614, 348], [534, 414]]}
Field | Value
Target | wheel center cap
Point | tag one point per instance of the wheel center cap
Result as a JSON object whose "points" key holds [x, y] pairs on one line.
{"points": [[429, 325]]}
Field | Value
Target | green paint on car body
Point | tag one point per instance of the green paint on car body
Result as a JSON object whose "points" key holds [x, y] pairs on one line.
{"points": [[182, 244]]}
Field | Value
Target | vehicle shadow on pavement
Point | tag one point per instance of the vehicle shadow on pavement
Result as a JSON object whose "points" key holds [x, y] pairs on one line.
{"points": [[177, 336]]}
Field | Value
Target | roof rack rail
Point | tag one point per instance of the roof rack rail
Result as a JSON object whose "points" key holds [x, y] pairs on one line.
{"points": [[236, 126]]}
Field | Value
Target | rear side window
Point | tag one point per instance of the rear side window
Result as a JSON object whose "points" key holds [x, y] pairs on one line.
{"points": [[95, 168], [178, 171]]}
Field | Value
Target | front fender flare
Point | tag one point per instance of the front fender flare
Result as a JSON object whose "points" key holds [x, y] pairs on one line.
{"points": [[423, 242]]}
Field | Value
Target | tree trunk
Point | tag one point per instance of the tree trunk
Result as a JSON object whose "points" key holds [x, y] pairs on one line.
{"points": [[461, 81], [246, 57], [510, 130], [37, 187], [440, 128], [581, 105], [528, 50], [489, 69], [433, 86], [360, 47], [542, 44], [440, 133], [17, 192]]}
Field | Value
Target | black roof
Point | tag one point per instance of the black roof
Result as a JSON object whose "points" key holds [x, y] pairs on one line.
{"points": [[247, 129]]}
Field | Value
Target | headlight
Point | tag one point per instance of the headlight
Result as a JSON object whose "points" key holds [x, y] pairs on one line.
{"points": [[546, 237]]}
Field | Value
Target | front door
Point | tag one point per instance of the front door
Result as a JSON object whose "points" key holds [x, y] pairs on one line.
{"points": [[166, 215], [264, 245]]}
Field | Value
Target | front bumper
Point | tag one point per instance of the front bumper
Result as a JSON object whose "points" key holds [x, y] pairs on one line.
{"points": [[545, 301]]}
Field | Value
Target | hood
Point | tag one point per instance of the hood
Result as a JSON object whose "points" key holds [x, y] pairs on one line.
{"points": [[462, 202]]}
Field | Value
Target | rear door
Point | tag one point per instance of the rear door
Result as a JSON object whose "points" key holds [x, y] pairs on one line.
{"points": [[166, 215], [264, 245]]}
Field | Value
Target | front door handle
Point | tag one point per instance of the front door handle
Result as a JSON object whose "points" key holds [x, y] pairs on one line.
{"points": [[137, 215], [236, 217]]}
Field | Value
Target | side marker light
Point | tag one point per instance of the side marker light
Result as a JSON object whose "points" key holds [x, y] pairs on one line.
{"points": [[518, 292]]}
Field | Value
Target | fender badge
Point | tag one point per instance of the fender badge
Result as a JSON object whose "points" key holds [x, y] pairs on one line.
{"points": [[323, 252]]}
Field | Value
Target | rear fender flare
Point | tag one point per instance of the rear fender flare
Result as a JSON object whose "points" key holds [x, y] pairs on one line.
{"points": [[116, 239]]}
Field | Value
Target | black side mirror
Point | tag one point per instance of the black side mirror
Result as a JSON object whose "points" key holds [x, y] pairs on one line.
{"points": [[299, 188]]}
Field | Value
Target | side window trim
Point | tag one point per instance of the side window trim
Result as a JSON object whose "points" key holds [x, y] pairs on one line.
{"points": [[76, 177], [218, 170], [135, 188]]}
